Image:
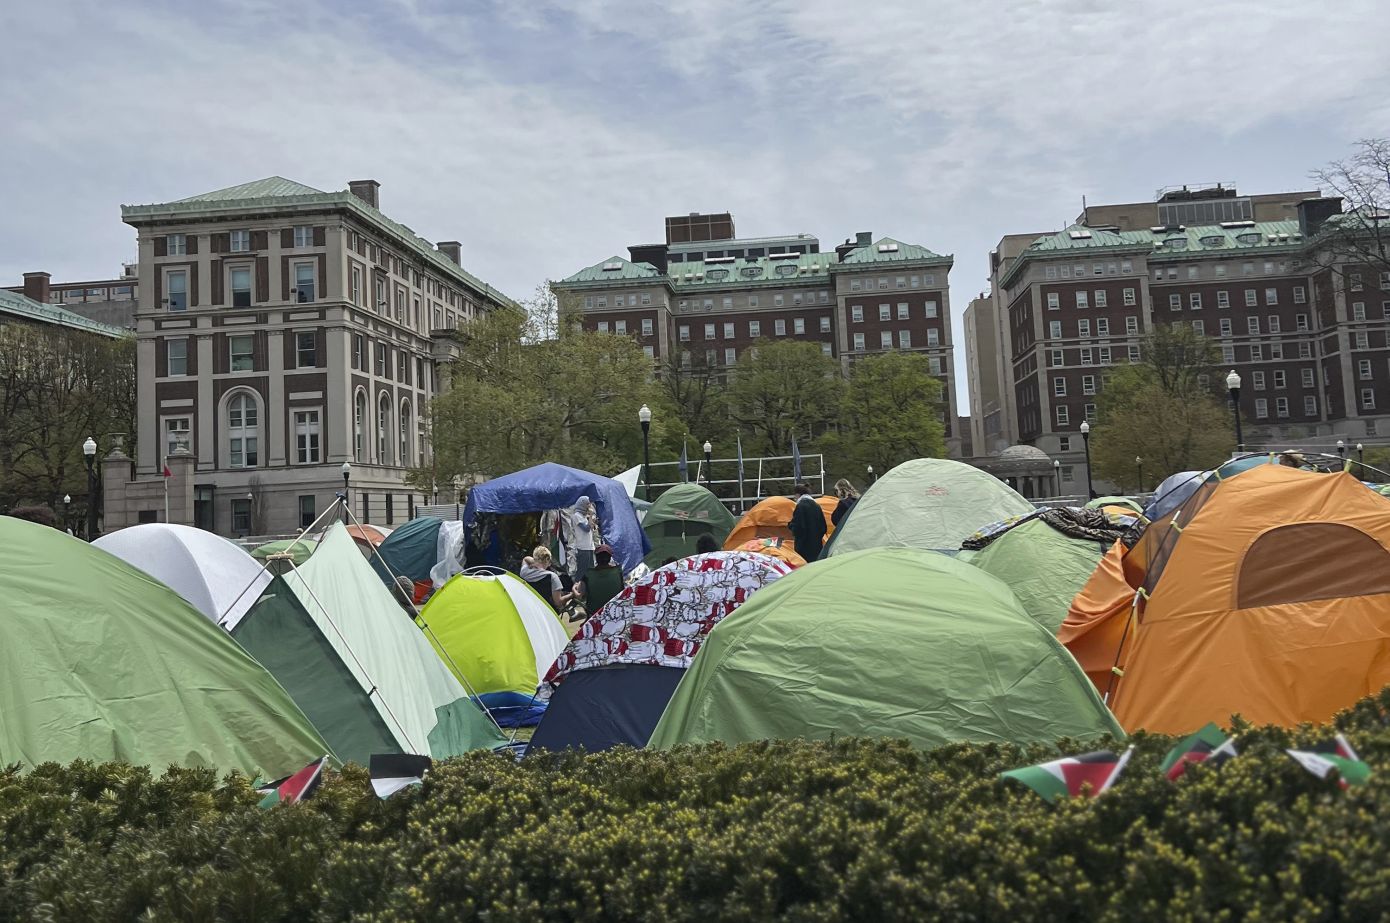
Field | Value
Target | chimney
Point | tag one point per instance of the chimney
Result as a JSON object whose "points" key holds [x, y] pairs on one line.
{"points": [[452, 249], [863, 238], [368, 190], [36, 286], [1312, 213]]}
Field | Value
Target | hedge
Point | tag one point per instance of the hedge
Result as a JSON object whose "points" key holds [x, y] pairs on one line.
{"points": [[853, 829]]}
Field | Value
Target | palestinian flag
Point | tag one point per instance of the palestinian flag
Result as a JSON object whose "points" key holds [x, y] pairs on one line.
{"points": [[294, 788], [1089, 773], [392, 772], [1334, 754], [1209, 745]]}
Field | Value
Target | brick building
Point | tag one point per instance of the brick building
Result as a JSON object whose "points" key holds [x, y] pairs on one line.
{"points": [[107, 301], [701, 301]]}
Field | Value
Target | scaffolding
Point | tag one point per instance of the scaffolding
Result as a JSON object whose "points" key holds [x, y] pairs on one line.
{"points": [[738, 484]]}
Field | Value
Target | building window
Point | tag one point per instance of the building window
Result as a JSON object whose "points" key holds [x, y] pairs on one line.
{"points": [[359, 427], [406, 431], [646, 297], [1363, 340], [178, 435], [934, 363], [304, 284], [728, 331], [1175, 302], [383, 431], [1363, 369], [1102, 300], [603, 326], [931, 309], [1199, 328], [176, 354], [1129, 298], [648, 351], [241, 516], [1088, 384], [904, 339], [1300, 294], [242, 352], [306, 437], [357, 285], [1300, 322], [1273, 321], [1354, 281], [176, 285], [1251, 298], [1059, 387], [779, 327], [306, 350], [730, 355], [176, 245], [1223, 299], [1305, 350], [1050, 272], [390, 509], [825, 325], [1307, 376], [709, 331], [603, 301], [1134, 354], [884, 313], [1280, 379], [383, 361], [1083, 327], [859, 342], [1225, 326], [1252, 325], [729, 302], [1258, 380], [778, 301], [1063, 415], [933, 337], [240, 284], [1257, 352], [1054, 330], [303, 237], [620, 327], [1131, 325], [1368, 399], [1271, 296], [243, 432], [1081, 300], [752, 301], [902, 311], [1104, 355], [856, 314], [1054, 301], [1195, 301], [647, 327], [1261, 408], [240, 241], [1310, 405], [1358, 310], [755, 329], [854, 285], [798, 325], [1086, 357], [1056, 358]]}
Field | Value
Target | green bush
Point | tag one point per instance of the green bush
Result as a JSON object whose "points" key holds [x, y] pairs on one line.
{"points": [[855, 829]]}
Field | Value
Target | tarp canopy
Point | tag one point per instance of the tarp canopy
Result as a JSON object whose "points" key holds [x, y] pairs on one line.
{"points": [[551, 487], [1043, 566], [771, 518], [499, 635], [884, 643], [214, 575], [679, 517], [1266, 594], [336, 638], [926, 503], [102, 662], [614, 678]]}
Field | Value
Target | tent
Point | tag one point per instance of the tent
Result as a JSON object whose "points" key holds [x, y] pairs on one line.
{"points": [[410, 551], [497, 632], [103, 662], [551, 487], [891, 642], [927, 503], [614, 679], [1267, 594], [769, 519], [214, 575], [298, 549], [337, 640], [368, 537], [1046, 563], [1117, 503], [679, 517], [781, 549]]}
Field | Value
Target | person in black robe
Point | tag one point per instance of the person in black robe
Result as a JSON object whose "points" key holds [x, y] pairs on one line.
{"points": [[807, 524]]}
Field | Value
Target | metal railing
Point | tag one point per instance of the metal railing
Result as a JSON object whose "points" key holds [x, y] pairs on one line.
{"points": [[761, 477]]}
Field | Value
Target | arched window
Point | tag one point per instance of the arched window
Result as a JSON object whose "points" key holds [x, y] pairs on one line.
{"points": [[383, 432], [359, 428], [405, 433], [243, 431]]}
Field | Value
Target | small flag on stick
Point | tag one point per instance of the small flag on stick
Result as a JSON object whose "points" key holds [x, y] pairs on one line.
{"points": [[392, 772], [1089, 773], [1209, 745], [294, 788], [1333, 754], [166, 472]]}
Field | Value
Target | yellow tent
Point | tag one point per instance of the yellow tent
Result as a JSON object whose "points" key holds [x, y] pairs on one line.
{"points": [[769, 519]]}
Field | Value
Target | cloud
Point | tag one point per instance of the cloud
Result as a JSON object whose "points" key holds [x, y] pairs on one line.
{"points": [[546, 136]]}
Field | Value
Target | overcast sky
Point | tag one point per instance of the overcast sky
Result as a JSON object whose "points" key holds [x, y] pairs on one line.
{"points": [[547, 136]]}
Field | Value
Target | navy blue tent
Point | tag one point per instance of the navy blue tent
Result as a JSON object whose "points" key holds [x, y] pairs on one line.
{"points": [[410, 551], [601, 708], [552, 487]]}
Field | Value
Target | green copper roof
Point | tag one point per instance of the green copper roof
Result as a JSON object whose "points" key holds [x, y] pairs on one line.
{"points": [[888, 250], [803, 268], [17, 305], [614, 268], [278, 192]]}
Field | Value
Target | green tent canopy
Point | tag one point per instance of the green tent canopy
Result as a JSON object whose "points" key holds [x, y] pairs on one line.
{"points": [[927, 503], [100, 661], [1125, 502], [335, 637], [299, 550], [884, 643], [679, 517], [1044, 567]]}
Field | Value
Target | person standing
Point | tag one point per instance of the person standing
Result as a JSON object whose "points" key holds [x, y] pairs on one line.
{"points": [[584, 528], [807, 524], [848, 497]]}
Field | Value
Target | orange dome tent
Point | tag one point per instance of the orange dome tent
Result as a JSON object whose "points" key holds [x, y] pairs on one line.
{"points": [[1266, 594], [777, 548], [769, 519]]}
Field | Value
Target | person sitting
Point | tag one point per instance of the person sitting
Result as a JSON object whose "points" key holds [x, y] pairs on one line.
{"points": [[536, 570], [603, 581], [706, 544]]}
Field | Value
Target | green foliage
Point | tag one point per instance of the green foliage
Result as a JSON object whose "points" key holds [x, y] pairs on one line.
{"points": [[781, 388], [1161, 411], [890, 413], [849, 830]]}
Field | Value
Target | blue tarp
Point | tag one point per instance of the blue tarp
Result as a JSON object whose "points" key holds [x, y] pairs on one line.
{"points": [[552, 487]]}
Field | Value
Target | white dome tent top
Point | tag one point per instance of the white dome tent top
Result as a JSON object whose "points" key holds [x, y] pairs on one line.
{"points": [[215, 576]]}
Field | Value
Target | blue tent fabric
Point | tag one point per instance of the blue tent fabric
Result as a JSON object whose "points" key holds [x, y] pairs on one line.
{"points": [[410, 550], [1173, 492], [551, 487], [603, 707]]}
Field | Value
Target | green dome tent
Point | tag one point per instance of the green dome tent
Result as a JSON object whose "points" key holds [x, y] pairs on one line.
{"points": [[926, 503], [299, 550], [679, 517], [335, 637], [884, 643], [102, 662]]}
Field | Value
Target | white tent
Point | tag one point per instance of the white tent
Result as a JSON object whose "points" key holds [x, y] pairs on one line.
{"points": [[630, 479], [214, 575]]}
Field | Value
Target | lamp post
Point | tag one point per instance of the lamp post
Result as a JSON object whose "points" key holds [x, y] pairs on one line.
{"points": [[1342, 450], [644, 416], [708, 463], [347, 478], [89, 454], [67, 511], [871, 474], [1139, 463], [1233, 386], [1360, 454], [1057, 476], [1086, 443]]}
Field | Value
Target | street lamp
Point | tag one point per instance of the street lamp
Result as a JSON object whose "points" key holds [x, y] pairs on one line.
{"points": [[871, 474], [1139, 463], [1342, 449], [1086, 443], [89, 454], [1360, 454], [1057, 476], [708, 464], [644, 416], [67, 509], [1233, 386], [347, 476]]}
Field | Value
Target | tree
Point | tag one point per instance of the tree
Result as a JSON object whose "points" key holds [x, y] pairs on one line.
{"points": [[890, 412], [1362, 235], [782, 388], [1161, 411], [695, 394]]}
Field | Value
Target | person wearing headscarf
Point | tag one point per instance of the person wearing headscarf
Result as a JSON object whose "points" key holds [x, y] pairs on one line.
{"points": [[585, 525]]}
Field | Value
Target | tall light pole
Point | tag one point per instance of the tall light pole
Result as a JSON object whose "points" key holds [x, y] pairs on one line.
{"points": [[644, 416], [1057, 476], [708, 462], [67, 513], [871, 474], [347, 479], [1086, 443], [1139, 463], [1233, 386], [1342, 451], [89, 454]]}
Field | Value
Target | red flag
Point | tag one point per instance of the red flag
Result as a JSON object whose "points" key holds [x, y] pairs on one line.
{"points": [[167, 473]]}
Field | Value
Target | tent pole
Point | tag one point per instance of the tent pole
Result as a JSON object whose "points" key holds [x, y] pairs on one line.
{"points": [[1115, 671], [264, 565]]}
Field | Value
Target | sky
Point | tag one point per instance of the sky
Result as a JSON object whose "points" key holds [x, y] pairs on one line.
{"points": [[547, 136]]}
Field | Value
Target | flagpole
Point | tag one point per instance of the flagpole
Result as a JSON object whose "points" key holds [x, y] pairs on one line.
{"points": [[165, 479], [739, 438]]}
